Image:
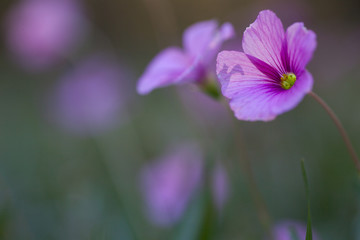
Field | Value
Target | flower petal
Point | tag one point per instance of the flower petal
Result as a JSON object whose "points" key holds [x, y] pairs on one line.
{"points": [[264, 39], [169, 183], [197, 37], [170, 66], [203, 40], [237, 71], [261, 103], [301, 44]]}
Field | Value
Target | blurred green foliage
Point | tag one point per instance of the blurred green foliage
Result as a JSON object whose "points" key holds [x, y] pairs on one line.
{"points": [[54, 185]]}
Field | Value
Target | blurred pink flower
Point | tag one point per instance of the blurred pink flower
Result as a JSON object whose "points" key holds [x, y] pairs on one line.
{"points": [[40, 32], [169, 183], [220, 186], [202, 41], [285, 230], [269, 77], [89, 98]]}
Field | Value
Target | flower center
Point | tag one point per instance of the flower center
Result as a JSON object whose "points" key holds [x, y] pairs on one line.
{"points": [[288, 80]]}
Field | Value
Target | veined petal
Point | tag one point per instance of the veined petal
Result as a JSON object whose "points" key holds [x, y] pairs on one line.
{"points": [[203, 40], [301, 44], [264, 39], [261, 103], [225, 32], [168, 67], [238, 71], [197, 36]]}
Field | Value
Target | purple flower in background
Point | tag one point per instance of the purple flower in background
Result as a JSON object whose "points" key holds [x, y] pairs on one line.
{"points": [[269, 77], [287, 230], [220, 186], [89, 98], [201, 41], [39, 32], [169, 183]]}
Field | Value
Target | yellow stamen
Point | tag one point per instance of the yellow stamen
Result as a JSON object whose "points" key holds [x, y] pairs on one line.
{"points": [[288, 80]]}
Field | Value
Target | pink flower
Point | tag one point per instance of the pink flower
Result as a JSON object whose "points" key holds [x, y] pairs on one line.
{"points": [[169, 183], [202, 41], [269, 77], [90, 98], [40, 32]]}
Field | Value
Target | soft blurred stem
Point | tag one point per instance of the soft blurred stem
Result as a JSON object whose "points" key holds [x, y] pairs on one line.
{"points": [[262, 211], [210, 88], [207, 228], [340, 128], [306, 183], [208, 221], [108, 155]]}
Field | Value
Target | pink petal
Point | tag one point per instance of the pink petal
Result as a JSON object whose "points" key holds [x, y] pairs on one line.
{"points": [[301, 44], [198, 36], [89, 99], [247, 81], [174, 66], [170, 66], [262, 103], [264, 39], [227, 31], [169, 183], [41, 32], [237, 71], [203, 40]]}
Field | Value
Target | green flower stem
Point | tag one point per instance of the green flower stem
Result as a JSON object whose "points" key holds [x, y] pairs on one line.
{"points": [[307, 191], [260, 205], [107, 160], [210, 88], [341, 129]]}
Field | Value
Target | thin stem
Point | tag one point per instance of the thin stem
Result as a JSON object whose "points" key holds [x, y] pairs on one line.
{"points": [[262, 211], [340, 128], [107, 156], [307, 191]]}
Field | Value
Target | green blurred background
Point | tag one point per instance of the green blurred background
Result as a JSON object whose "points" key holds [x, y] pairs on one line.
{"points": [[57, 185]]}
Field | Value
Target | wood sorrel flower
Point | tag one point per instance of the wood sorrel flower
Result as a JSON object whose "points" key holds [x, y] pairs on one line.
{"points": [[41, 32], [89, 99], [269, 77], [173, 65], [169, 183]]}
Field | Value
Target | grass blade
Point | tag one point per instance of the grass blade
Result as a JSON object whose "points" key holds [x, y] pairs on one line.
{"points": [[308, 228]]}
